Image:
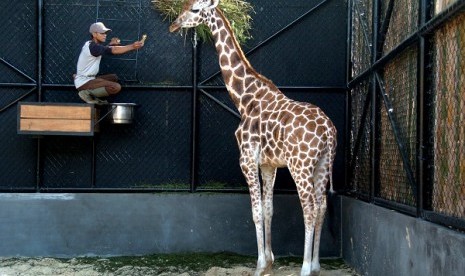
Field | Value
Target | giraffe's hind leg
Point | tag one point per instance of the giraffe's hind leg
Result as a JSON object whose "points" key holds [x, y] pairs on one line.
{"points": [[303, 177], [320, 180]]}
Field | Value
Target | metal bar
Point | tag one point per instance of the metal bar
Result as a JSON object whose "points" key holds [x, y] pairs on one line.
{"points": [[327, 89], [421, 82], [131, 86], [17, 190], [17, 100], [403, 208], [17, 85], [349, 41], [227, 108], [400, 144], [17, 70], [40, 26], [139, 190], [195, 96], [93, 169], [40, 47], [108, 190], [385, 27], [97, 11], [38, 165], [428, 136], [446, 220], [374, 106], [264, 42], [348, 99]]}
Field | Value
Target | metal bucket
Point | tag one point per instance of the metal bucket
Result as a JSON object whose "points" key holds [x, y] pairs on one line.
{"points": [[122, 113]]}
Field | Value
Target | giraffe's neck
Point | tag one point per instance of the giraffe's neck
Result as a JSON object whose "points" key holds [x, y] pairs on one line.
{"points": [[238, 74]]}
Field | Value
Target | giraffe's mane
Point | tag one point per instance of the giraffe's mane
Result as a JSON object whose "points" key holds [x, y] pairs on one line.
{"points": [[187, 4], [241, 53]]}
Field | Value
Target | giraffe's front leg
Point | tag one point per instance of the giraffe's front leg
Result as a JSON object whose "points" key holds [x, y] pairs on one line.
{"points": [[249, 168], [268, 178]]}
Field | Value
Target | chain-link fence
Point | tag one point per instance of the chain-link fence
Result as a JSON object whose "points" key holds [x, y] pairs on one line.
{"points": [[181, 138], [407, 102], [448, 117]]}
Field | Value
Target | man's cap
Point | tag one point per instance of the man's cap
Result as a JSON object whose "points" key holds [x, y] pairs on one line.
{"points": [[98, 27]]}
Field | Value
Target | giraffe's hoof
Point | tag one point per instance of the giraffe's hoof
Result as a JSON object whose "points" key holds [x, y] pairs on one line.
{"points": [[267, 270], [315, 273]]}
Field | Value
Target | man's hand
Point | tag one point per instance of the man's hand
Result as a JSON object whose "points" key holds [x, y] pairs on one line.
{"points": [[140, 43], [115, 41], [137, 45]]}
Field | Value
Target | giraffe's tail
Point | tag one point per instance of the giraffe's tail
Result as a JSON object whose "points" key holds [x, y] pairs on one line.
{"points": [[331, 155]]}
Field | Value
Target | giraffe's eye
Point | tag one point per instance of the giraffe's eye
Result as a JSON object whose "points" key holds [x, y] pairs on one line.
{"points": [[195, 10]]}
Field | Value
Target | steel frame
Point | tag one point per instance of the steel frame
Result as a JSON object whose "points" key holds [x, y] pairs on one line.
{"points": [[197, 87], [421, 181]]}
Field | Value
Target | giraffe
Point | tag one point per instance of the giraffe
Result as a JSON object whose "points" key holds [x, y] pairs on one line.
{"points": [[274, 132]]}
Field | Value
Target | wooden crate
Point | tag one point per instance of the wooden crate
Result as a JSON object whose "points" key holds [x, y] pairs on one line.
{"points": [[57, 119]]}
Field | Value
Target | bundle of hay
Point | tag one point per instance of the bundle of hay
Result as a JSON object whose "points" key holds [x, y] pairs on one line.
{"points": [[237, 12]]}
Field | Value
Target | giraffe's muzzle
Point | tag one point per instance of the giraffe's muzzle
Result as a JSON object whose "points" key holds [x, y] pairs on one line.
{"points": [[174, 27]]}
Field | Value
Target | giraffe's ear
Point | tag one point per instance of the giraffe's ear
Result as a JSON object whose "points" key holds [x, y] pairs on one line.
{"points": [[210, 4], [214, 4], [199, 5]]}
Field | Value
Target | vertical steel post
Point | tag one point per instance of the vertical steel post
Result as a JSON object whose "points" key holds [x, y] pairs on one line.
{"points": [[348, 107], [39, 64], [374, 187], [93, 170], [194, 166], [421, 94]]}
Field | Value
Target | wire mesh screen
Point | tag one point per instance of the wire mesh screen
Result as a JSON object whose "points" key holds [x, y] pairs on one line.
{"points": [[400, 19], [400, 77], [360, 134], [448, 118], [361, 36], [18, 155], [219, 166], [19, 24], [154, 152]]}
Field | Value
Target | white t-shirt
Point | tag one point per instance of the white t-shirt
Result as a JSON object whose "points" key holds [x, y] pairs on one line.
{"points": [[89, 62]]}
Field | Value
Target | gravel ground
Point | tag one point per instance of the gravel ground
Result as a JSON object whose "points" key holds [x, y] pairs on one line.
{"points": [[151, 265]]}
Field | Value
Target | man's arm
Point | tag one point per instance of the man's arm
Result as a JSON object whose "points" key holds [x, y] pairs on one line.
{"points": [[118, 50]]}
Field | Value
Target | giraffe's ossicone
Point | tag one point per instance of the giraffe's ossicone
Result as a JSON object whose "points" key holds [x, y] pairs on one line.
{"points": [[274, 132]]}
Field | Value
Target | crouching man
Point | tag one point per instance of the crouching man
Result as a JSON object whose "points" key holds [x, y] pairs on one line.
{"points": [[92, 87]]}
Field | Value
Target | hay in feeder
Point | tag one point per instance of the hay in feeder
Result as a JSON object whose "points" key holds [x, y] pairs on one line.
{"points": [[237, 12]]}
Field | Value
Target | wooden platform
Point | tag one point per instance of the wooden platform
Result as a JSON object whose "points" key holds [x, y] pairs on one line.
{"points": [[57, 119]]}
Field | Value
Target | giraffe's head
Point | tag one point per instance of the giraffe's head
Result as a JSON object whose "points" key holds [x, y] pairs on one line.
{"points": [[193, 14]]}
